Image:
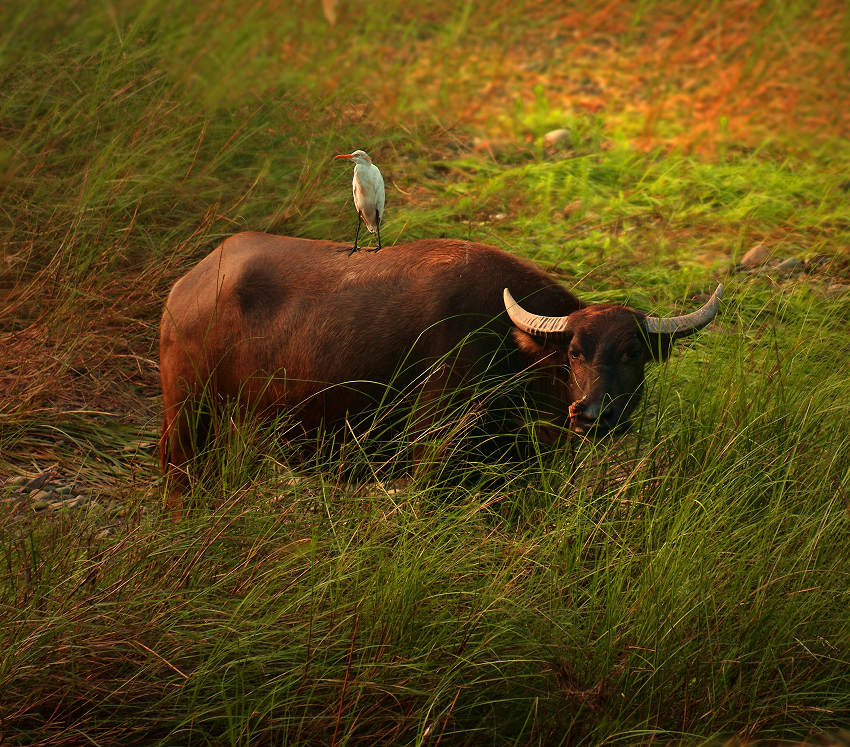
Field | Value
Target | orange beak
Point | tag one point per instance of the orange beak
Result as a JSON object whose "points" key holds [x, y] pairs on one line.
{"points": [[349, 155]]}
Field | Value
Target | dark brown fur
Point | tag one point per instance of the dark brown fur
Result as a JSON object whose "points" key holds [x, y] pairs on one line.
{"points": [[274, 320]]}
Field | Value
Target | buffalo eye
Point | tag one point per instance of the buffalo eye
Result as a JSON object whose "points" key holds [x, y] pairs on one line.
{"points": [[631, 356], [575, 354]]}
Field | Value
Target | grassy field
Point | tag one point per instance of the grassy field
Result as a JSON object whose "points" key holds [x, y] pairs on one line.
{"points": [[688, 583]]}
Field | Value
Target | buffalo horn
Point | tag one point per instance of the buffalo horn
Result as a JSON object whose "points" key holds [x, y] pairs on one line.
{"points": [[679, 326], [533, 323]]}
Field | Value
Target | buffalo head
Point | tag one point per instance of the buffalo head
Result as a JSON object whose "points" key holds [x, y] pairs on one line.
{"points": [[597, 355]]}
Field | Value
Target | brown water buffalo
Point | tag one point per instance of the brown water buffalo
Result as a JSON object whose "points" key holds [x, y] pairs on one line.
{"points": [[294, 325]]}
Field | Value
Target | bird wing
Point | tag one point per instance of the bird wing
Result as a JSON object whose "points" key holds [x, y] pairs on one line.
{"points": [[369, 196], [379, 192]]}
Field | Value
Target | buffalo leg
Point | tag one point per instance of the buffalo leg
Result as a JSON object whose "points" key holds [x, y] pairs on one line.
{"points": [[175, 453], [185, 432]]}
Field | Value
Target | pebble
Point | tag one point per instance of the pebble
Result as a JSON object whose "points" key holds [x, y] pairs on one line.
{"points": [[572, 207], [787, 266], [37, 482], [837, 289], [494, 147], [67, 503], [816, 262], [755, 256], [556, 137]]}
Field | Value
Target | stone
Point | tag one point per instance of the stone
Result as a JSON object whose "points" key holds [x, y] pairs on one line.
{"points": [[557, 137], [572, 207], [787, 266], [493, 147], [37, 482], [755, 257], [817, 262], [837, 289]]}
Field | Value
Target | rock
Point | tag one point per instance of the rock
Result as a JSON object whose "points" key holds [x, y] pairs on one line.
{"points": [[37, 482], [572, 207], [66, 503], [837, 289], [754, 257], [819, 261], [329, 10], [787, 266], [493, 147], [557, 137]]}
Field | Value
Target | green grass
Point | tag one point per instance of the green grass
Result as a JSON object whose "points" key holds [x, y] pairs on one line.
{"points": [[689, 582]]}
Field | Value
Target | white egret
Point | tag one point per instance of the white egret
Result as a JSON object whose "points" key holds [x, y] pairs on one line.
{"points": [[368, 188]]}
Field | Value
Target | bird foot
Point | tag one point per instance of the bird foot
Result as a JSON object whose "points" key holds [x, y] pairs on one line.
{"points": [[350, 251], [372, 251]]}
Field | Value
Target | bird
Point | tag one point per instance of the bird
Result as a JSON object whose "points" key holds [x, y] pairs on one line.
{"points": [[368, 188]]}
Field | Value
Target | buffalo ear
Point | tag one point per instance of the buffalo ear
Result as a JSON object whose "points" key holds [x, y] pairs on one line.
{"points": [[527, 345], [533, 349], [659, 347]]}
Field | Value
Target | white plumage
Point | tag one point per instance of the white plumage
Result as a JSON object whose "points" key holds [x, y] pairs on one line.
{"points": [[368, 189]]}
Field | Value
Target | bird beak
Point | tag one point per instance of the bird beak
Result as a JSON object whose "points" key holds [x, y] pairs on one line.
{"points": [[349, 155]]}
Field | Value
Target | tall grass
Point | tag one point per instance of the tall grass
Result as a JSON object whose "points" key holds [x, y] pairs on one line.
{"points": [[686, 583], [695, 585]]}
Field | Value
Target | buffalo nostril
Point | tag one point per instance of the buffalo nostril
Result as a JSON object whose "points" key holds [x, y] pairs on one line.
{"points": [[588, 411], [592, 411], [594, 418], [580, 406]]}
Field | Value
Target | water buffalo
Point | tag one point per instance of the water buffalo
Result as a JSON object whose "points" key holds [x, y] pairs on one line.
{"points": [[289, 324]]}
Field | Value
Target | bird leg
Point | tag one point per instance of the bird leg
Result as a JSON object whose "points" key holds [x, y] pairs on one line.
{"points": [[378, 227], [356, 235]]}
